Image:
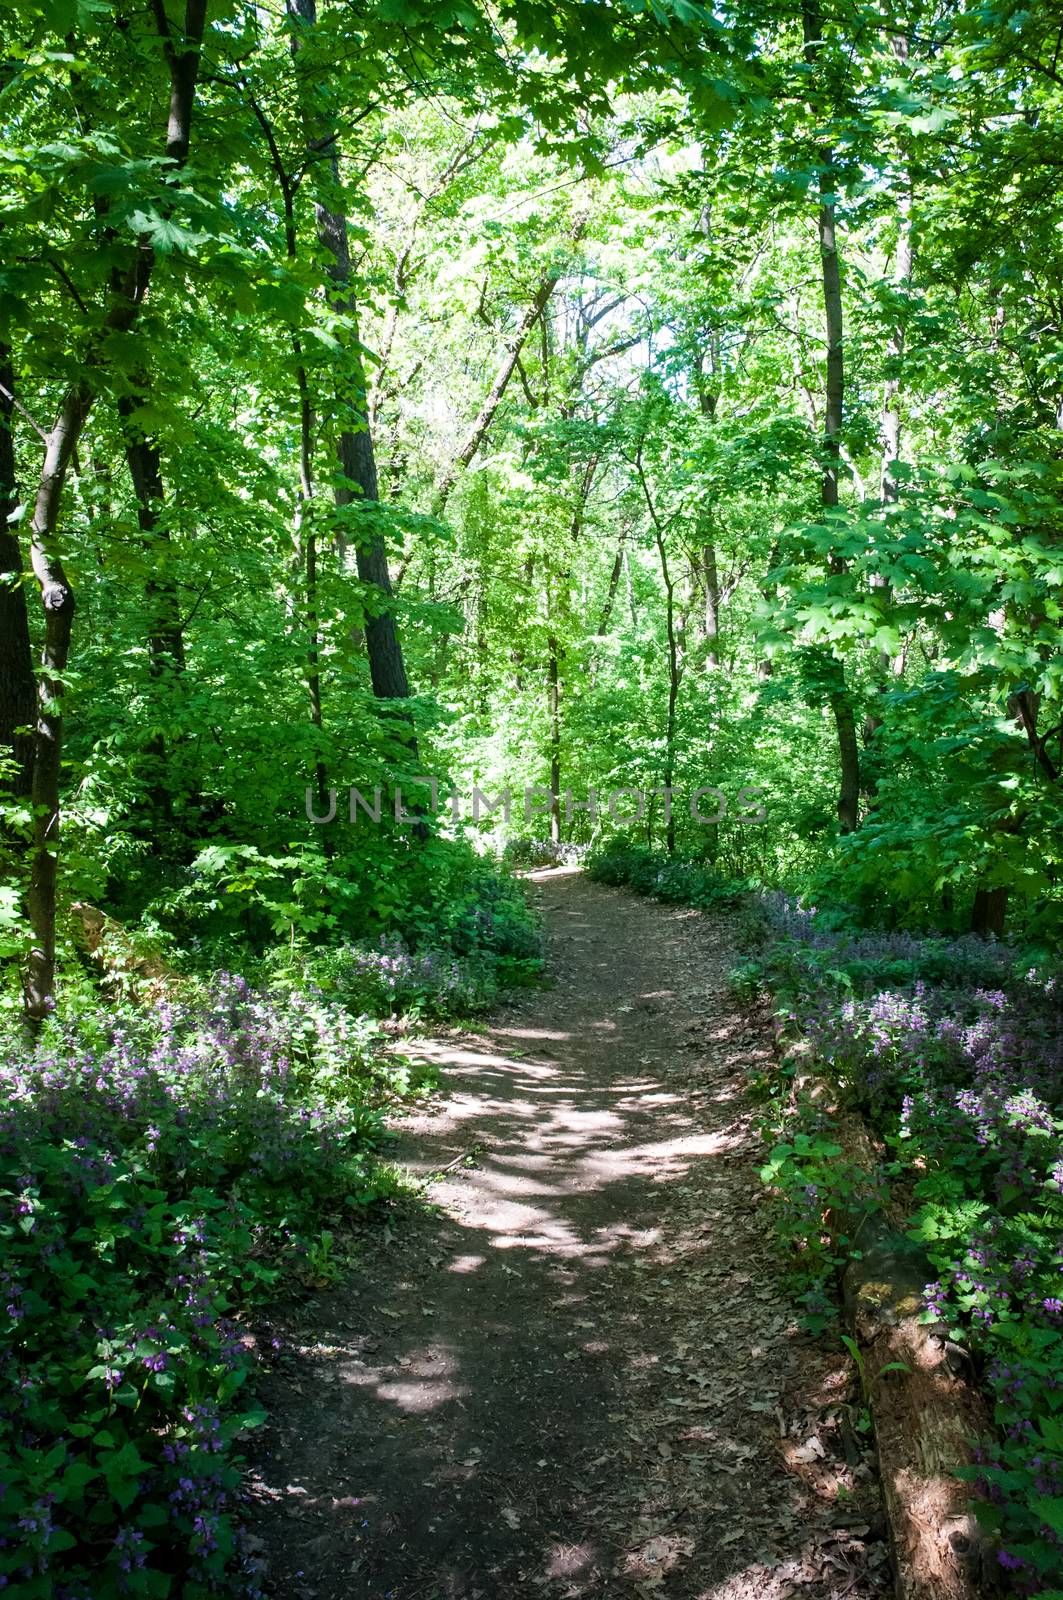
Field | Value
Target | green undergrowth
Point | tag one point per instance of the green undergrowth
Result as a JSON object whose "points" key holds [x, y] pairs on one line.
{"points": [[952, 1052], [674, 879], [176, 1151]]}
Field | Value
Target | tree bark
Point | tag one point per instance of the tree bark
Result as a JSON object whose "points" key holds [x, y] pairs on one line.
{"points": [[710, 578], [989, 911], [889, 489], [17, 694], [673, 692], [304, 532], [57, 597], [166, 645], [357, 478], [614, 584], [553, 707], [848, 807], [891, 410], [673, 654], [849, 755]]}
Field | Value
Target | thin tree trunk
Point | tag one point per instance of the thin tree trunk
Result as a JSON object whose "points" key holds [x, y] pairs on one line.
{"points": [[57, 597], [465, 156], [765, 666], [710, 578], [17, 694], [614, 584], [306, 535], [708, 400], [553, 707], [166, 645], [673, 691], [891, 409], [841, 705], [357, 478], [304, 532], [503, 372], [673, 653], [889, 488]]}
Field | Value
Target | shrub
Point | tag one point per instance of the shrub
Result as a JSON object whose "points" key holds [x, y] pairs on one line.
{"points": [[663, 877]]}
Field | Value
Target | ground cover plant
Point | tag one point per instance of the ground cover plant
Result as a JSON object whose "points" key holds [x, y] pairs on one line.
{"points": [[161, 1174], [169, 1162], [953, 1051]]}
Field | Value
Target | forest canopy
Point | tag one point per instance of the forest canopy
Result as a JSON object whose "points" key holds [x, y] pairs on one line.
{"points": [[585, 397]]}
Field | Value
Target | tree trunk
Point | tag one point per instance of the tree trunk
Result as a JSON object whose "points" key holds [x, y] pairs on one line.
{"points": [[832, 308], [989, 911], [354, 449], [889, 490], [673, 692], [710, 577], [57, 597], [614, 584], [849, 755], [553, 707], [904, 266], [304, 532], [891, 410], [17, 695], [504, 371], [830, 268], [166, 645]]}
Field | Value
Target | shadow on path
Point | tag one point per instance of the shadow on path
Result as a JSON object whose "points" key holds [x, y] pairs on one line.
{"points": [[581, 1375]]}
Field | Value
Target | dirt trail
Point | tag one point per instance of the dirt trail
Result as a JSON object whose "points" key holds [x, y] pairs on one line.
{"points": [[582, 1375]]}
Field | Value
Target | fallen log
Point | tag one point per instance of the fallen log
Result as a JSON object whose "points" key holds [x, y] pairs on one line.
{"points": [[925, 1411], [123, 964], [925, 1414]]}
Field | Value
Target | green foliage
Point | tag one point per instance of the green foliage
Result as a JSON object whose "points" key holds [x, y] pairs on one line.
{"points": [[955, 1052], [663, 877], [162, 1171], [578, 315], [822, 1200]]}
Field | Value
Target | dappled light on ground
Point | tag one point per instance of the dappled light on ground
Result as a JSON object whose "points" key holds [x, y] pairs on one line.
{"points": [[577, 1374]]}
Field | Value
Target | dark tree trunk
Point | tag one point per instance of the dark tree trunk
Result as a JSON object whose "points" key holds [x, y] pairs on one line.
{"points": [[841, 705], [57, 597], [166, 645], [357, 481], [989, 911], [849, 753], [17, 693], [553, 707]]}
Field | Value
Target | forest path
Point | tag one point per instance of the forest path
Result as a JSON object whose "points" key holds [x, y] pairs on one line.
{"points": [[581, 1375]]}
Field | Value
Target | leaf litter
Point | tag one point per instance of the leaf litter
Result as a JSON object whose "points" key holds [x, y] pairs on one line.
{"points": [[616, 1399]]}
